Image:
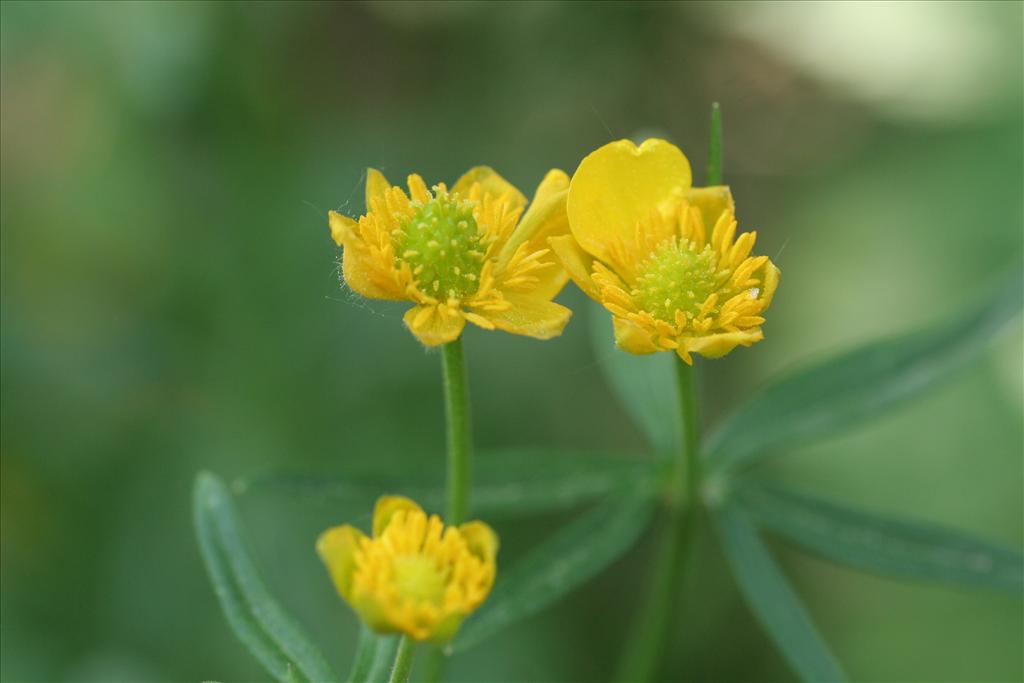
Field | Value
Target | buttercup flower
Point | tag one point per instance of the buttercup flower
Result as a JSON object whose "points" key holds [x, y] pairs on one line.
{"points": [[663, 256], [469, 253], [415, 576]]}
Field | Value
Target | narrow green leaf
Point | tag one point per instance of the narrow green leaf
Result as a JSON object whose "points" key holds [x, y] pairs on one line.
{"points": [[854, 387], [381, 670], [533, 480], [366, 652], [560, 564], [256, 618], [374, 654], [773, 601], [505, 483], [715, 169], [890, 546], [644, 385], [384, 660]]}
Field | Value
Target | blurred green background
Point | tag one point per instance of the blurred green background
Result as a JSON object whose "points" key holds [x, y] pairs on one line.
{"points": [[170, 301]]}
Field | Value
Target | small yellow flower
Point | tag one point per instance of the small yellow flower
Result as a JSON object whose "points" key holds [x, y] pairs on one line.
{"points": [[415, 576], [469, 253], [640, 246]]}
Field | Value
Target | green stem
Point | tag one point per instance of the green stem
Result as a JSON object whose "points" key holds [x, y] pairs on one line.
{"points": [[433, 670], [456, 394], [647, 642], [403, 660], [644, 649], [691, 433], [715, 172]]}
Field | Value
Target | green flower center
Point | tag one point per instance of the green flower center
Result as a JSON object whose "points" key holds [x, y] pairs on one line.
{"points": [[676, 279], [441, 244], [419, 578]]}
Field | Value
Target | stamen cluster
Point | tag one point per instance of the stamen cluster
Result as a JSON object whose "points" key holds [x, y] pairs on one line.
{"points": [[677, 277], [442, 244]]}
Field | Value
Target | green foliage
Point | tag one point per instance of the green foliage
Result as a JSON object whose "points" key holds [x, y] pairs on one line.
{"points": [[896, 547], [827, 398], [258, 621], [847, 390], [170, 296], [645, 385], [772, 599], [818, 402], [506, 483], [511, 483], [559, 564], [532, 481], [374, 655]]}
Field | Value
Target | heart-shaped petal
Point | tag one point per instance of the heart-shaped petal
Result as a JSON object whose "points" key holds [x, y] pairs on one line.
{"points": [[617, 185]]}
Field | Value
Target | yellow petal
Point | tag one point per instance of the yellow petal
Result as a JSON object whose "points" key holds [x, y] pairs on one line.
{"points": [[367, 276], [717, 345], [619, 184], [555, 182], [481, 540], [545, 218], [711, 201], [491, 183], [342, 227], [632, 338], [478, 320], [684, 355], [576, 262], [551, 280], [337, 548], [529, 316], [372, 612], [769, 283], [376, 185], [386, 508], [432, 326]]}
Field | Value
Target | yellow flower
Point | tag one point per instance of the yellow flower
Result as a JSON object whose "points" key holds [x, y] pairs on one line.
{"points": [[663, 256], [469, 253], [415, 576]]}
